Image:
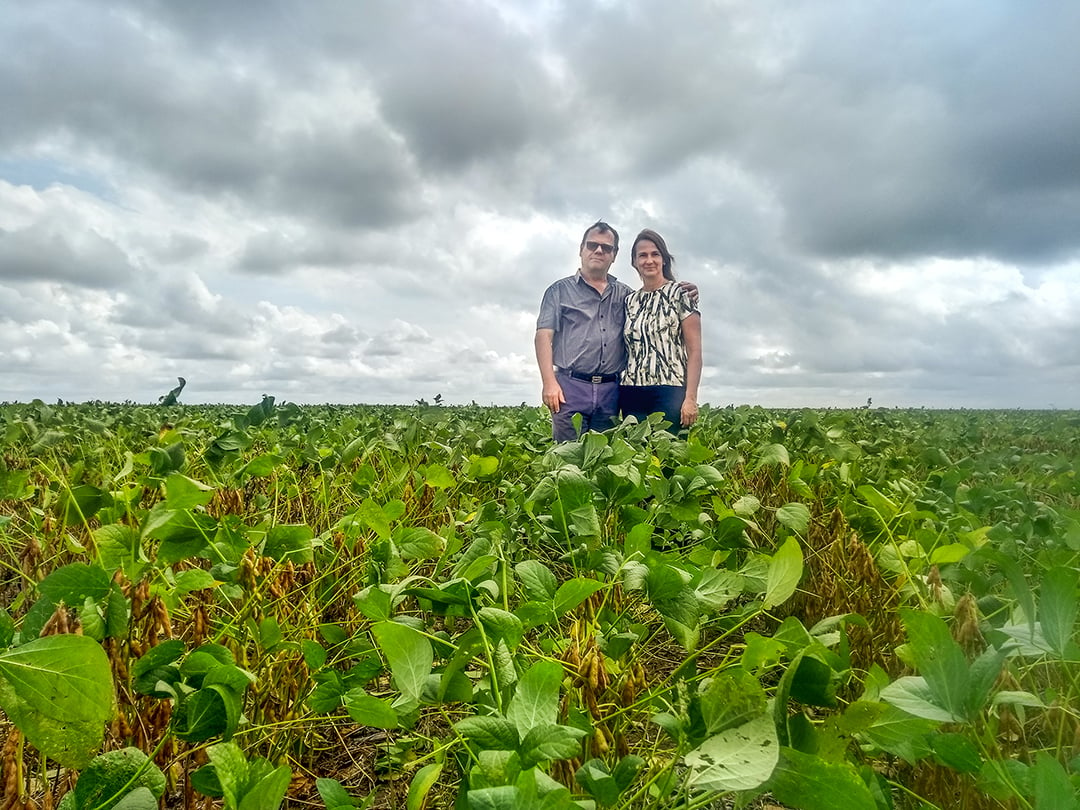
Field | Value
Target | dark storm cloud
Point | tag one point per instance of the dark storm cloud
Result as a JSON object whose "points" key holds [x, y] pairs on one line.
{"points": [[274, 253], [43, 252], [455, 78], [882, 129], [129, 89], [470, 89], [364, 201]]}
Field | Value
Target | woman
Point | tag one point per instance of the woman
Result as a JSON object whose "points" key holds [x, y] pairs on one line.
{"points": [[663, 340]]}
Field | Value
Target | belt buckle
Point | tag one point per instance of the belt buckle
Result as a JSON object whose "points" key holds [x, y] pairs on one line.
{"points": [[597, 379]]}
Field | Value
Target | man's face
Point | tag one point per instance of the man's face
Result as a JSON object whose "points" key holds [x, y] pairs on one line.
{"points": [[598, 252]]}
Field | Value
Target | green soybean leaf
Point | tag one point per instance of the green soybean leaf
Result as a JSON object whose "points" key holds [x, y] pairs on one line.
{"points": [[425, 779], [183, 533], [939, 659], [260, 466], [231, 769], [182, 492], [375, 602], [595, 777], [536, 699], [368, 710], [504, 797], [7, 628], [194, 579], [373, 516], [896, 731], [537, 580], [885, 507], [290, 543], [1057, 608], [795, 516], [158, 665], [731, 699], [626, 770], [813, 682], [1053, 789], [811, 783], [745, 507], [207, 714], [202, 660], [314, 653], [58, 690], [489, 732], [92, 620], [333, 794], [114, 774], [914, 695], [1015, 575], [138, 799], [573, 592], [785, 571], [74, 583], [501, 624], [417, 543], [409, 654], [80, 503], [438, 477], [550, 742], [716, 587], [957, 752], [119, 547], [739, 758], [13, 484], [773, 455]]}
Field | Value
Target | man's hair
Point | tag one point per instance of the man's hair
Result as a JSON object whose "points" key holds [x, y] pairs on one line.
{"points": [[601, 227], [649, 235]]}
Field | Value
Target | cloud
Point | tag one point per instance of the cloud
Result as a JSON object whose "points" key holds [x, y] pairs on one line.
{"points": [[364, 202], [44, 253]]}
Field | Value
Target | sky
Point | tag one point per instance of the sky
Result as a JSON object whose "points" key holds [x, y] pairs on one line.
{"points": [[363, 202]]}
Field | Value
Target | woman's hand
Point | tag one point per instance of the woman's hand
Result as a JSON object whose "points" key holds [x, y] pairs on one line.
{"points": [[689, 411]]}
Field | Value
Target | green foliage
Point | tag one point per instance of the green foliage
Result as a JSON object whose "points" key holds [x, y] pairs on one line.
{"points": [[507, 615], [59, 691], [244, 784], [126, 778]]}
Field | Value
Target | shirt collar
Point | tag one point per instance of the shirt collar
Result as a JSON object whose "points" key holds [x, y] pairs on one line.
{"points": [[578, 276]]}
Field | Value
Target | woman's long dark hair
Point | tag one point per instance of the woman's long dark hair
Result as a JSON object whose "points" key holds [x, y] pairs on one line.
{"points": [[649, 235]]}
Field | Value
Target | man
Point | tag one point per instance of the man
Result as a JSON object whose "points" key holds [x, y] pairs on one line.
{"points": [[579, 339]]}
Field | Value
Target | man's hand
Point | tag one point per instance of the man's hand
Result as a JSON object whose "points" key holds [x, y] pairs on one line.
{"points": [[553, 397], [691, 290], [689, 412]]}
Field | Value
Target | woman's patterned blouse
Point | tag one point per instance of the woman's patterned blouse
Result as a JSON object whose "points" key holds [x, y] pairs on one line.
{"points": [[656, 352]]}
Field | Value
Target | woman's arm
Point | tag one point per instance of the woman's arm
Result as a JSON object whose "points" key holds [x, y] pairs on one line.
{"points": [[691, 332]]}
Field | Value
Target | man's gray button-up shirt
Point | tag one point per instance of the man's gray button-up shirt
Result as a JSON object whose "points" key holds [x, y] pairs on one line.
{"points": [[588, 326]]}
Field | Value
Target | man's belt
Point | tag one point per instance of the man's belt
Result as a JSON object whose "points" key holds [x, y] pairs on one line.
{"points": [[590, 378]]}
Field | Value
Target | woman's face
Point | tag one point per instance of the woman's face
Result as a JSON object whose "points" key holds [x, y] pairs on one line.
{"points": [[648, 260]]}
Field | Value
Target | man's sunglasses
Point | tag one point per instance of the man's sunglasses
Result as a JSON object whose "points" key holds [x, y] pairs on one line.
{"points": [[603, 247]]}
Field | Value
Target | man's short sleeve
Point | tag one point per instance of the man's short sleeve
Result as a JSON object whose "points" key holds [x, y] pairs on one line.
{"points": [[549, 309]]}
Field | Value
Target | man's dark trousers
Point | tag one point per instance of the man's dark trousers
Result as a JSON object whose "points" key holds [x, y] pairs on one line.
{"points": [[598, 404]]}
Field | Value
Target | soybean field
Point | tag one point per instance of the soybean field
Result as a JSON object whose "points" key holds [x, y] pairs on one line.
{"points": [[429, 606]]}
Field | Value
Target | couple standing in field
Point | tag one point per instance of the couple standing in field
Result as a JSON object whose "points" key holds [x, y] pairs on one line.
{"points": [[603, 348]]}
